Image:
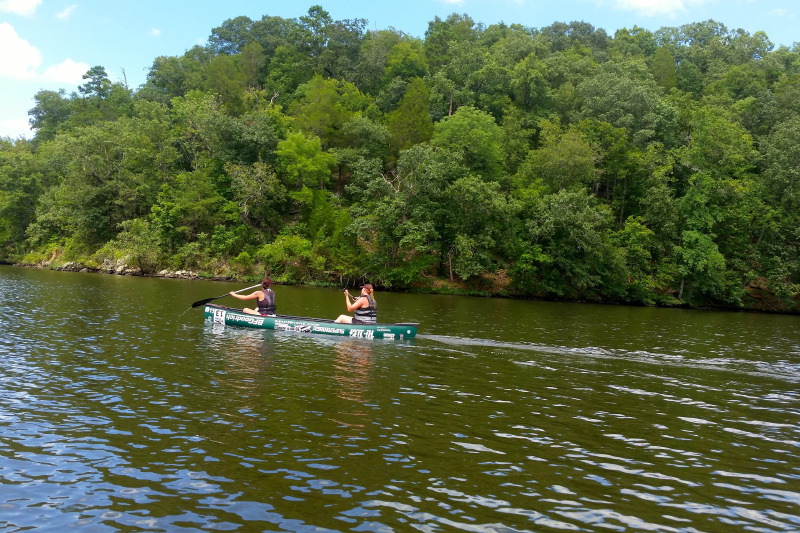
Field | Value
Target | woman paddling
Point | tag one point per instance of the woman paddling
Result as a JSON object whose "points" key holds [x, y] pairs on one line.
{"points": [[364, 307], [265, 299]]}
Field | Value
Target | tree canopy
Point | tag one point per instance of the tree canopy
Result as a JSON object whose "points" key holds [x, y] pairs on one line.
{"points": [[555, 162]]}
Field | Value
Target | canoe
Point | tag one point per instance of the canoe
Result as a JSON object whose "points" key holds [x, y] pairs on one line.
{"points": [[219, 314]]}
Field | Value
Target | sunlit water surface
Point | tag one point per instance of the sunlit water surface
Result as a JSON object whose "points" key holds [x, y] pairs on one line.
{"points": [[121, 410]]}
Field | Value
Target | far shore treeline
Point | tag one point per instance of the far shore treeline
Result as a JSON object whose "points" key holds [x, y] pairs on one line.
{"points": [[658, 168]]}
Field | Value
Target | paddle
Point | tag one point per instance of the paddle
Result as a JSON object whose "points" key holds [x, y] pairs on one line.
{"points": [[204, 302]]}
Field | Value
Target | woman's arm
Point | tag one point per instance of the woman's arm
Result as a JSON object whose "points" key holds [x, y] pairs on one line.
{"points": [[256, 294], [358, 303]]}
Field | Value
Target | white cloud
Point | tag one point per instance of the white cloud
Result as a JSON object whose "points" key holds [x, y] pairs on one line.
{"points": [[15, 128], [68, 71], [20, 58], [64, 15], [653, 8], [21, 61], [155, 32], [20, 7]]}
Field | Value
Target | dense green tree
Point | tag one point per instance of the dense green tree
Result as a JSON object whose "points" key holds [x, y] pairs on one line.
{"points": [[411, 122], [479, 220], [259, 194], [702, 43], [288, 69], [565, 248], [406, 60], [570, 66], [225, 79], [741, 81], [232, 36], [519, 134], [171, 77], [442, 35], [373, 55], [515, 44], [310, 35], [139, 242], [638, 246], [195, 117], [21, 184], [303, 162], [463, 80], [403, 214], [97, 85], [51, 111], [718, 146], [271, 32], [341, 55], [625, 95], [618, 165], [689, 78], [634, 42], [252, 63], [186, 214], [530, 86], [781, 176], [664, 71], [562, 36], [98, 99], [291, 258], [107, 174], [477, 136], [564, 160], [364, 138], [323, 106]]}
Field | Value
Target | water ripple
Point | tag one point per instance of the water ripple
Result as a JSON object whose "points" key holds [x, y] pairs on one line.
{"points": [[114, 420]]}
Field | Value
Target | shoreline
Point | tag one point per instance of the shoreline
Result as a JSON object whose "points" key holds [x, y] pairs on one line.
{"points": [[769, 304]]}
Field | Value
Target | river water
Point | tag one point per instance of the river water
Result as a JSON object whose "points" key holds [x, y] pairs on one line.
{"points": [[121, 410]]}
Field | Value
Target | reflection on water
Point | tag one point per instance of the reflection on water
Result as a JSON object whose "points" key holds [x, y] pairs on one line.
{"points": [[501, 416], [352, 368]]}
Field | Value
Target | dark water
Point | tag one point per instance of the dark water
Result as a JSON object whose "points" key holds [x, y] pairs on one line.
{"points": [[122, 411]]}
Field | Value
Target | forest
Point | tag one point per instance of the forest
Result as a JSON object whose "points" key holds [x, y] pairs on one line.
{"points": [[646, 168]]}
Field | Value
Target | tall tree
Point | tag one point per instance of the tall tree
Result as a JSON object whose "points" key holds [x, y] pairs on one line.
{"points": [[477, 136], [49, 114], [22, 182], [97, 85], [323, 106], [442, 35], [664, 70], [226, 79], [303, 162], [411, 122], [564, 160]]}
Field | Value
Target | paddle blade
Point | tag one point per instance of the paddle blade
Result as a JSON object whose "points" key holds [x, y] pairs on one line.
{"points": [[204, 302]]}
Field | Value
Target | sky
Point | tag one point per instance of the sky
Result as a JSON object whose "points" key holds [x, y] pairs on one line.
{"points": [[50, 44]]}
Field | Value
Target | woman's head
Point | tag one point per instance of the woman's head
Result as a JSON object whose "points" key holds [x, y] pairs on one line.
{"points": [[266, 283], [367, 287]]}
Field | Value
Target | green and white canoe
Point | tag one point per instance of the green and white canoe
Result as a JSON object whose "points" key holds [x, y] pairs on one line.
{"points": [[219, 314]]}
